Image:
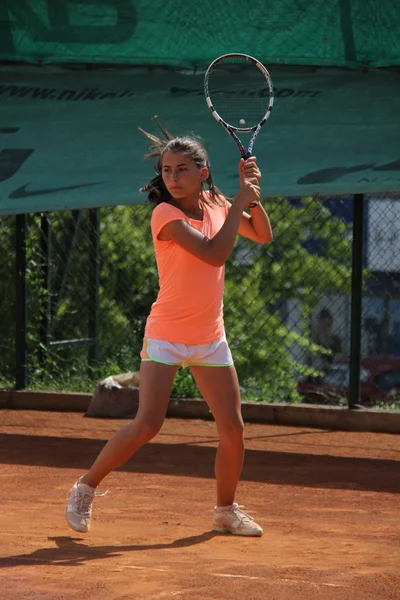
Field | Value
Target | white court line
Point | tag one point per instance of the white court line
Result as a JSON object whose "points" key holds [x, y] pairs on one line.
{"points": [[231, 576], [148, 568], [313, 583], [161, 570], [236, 576]]}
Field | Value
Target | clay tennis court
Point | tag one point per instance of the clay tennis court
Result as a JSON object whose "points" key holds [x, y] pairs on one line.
{"points": [[328, 502]]}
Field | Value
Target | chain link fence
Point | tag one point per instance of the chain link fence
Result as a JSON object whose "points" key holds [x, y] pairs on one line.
{"points": [[91, 279], [7, 300]]}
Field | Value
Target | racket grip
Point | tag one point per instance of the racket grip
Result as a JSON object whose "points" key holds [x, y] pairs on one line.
{"points": [[245, 157]]}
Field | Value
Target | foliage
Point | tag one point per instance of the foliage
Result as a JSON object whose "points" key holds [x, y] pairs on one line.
{"points": [[184, 385], [257, 279], [7, 296]]}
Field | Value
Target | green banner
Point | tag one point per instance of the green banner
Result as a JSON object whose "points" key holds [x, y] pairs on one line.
{"points": [[352, 33], [70, 139]]}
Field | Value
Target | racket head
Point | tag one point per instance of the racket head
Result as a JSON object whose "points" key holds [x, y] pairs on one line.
{"points": [[239, 92]]}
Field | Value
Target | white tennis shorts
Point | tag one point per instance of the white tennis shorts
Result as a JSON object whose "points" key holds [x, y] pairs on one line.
{"points": [[214, 354]]}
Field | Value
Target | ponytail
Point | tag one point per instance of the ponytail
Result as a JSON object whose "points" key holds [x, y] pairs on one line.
{"points": [[156, 190]]}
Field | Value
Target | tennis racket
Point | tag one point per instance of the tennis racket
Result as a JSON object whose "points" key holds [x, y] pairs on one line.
{"points": [[239, 92]]}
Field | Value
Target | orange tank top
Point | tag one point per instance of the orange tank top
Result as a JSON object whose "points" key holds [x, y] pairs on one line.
{"points": [[189, 305]]}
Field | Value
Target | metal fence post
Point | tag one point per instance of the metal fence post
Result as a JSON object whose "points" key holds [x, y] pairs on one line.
{"points": [[353, 397], [20, 302], [45, 308], [94, 282]]}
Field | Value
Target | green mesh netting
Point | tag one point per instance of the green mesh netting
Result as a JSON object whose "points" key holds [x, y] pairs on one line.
{"points": [[181, 33]]}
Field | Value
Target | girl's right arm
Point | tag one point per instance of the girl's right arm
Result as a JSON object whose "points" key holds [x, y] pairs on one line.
{"points": [[215, 251]]}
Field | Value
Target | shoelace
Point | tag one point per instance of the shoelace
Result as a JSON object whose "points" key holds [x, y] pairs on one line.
{"points": [[243, 517], [84, 501]]}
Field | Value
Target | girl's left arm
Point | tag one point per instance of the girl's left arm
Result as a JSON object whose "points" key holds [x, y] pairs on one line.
{"points": [[256, 226]]}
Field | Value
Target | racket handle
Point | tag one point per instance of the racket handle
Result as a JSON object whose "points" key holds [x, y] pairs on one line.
{"points": [[245, 157]]}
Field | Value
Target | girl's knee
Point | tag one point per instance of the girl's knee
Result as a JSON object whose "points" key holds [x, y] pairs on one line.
{"points": [[149, 428], [233, 431]]}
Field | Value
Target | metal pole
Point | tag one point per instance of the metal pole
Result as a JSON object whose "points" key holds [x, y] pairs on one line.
{"points": [[94, 282], [45, 309], [20, 303], [353, 398]]}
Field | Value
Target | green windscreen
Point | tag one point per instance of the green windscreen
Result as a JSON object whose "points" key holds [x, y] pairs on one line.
{"points": [[70, 138], [184, 33]]}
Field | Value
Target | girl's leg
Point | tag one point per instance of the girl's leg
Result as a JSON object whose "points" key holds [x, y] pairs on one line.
{"points": [[156, 381], [219, 387]]}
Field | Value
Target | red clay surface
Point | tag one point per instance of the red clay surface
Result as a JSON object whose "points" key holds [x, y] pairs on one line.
{"points": [[328, 503]]}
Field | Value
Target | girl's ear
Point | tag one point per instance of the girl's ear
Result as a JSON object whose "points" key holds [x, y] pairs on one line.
{"points": [[204, 174]]}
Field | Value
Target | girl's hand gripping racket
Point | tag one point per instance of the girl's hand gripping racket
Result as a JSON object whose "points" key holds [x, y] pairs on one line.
{"points": [[239, 87]]}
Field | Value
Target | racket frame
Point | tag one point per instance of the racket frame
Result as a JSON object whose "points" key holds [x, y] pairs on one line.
{"points": [[230, 128]]}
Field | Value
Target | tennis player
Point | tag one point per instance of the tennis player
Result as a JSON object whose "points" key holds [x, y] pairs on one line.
{"points": [[194, 229]]}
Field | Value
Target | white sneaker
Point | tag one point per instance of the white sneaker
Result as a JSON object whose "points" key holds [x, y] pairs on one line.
{"points": [[79, 509], [232, 519]]}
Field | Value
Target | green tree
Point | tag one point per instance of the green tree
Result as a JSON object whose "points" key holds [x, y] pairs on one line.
{"points": [[258, 277], [128, 286]]}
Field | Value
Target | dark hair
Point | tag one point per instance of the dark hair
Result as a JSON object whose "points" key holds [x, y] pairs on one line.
{"points": [[192, 147]]}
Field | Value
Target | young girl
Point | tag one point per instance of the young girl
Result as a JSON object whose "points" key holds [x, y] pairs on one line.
{"points": [[194, 229]]}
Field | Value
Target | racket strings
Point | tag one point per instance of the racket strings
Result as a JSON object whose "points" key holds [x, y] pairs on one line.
{"points": [[238, 112], [239, 92]]}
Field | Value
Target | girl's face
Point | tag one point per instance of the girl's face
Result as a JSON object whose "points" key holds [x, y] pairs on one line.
{"points": [[181, 176]]}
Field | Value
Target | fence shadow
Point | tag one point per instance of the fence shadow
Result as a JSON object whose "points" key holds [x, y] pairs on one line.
{"points": [[188, 460]]}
